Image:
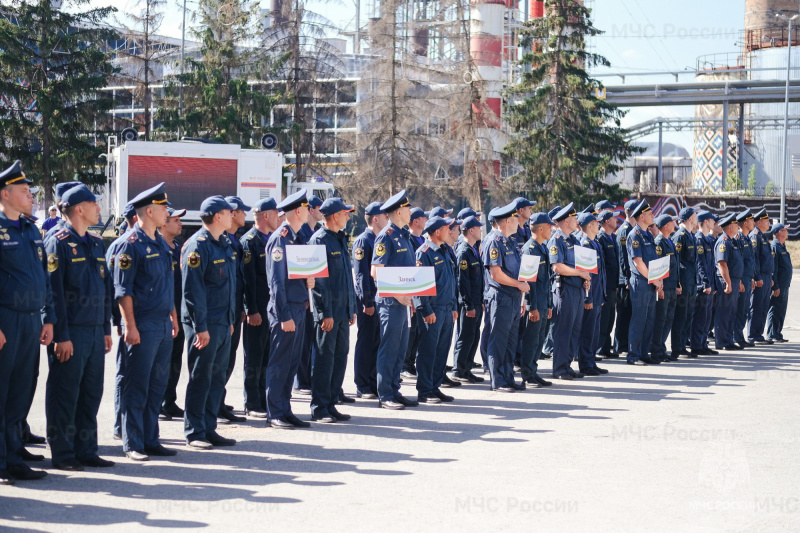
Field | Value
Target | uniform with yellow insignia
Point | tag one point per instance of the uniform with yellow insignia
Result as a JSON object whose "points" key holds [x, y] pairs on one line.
{"points": [[727, 250]]}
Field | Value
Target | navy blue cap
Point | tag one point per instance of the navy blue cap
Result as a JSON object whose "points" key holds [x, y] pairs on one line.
{"points": [[128, 211], [123, 227], [761, 214], [78, 194], [643, 207], [585, 218], [565, 212], [213, 205], [777, 227], [333, 205], [293, 201], [590, 209], [14, 175], [604, 204], [439, 211], [704, 215], [521, 202], [490, 217], [728, 220], [314, 202], [417, 212], [373, 209], [744, 215], [265, 204], [470, 222], [61, 188], [506, 211], [540, 218], [176, 212], [553, 211], [605, 215], [237, 203], [153, 195], [468, 212], [631, 204], [663, 220], [686, 213], [435, 223], [396, 202]]}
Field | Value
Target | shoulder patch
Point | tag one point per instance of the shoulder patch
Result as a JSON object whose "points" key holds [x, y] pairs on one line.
{"points": [[635, 243], [52, 262], [722, 248], [678, 246], [124, 261], [700, 249], [623, 240], [554, 250], [358, 253], [419, 263], [193, 259], [494, 253], [463, 265], [247, 257], [658, 250], [380, 249], [277, 255]]}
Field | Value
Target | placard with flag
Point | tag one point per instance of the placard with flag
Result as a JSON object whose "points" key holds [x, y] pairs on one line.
{"points": [[586, 259], [406, 281], [306, 261], [529, 268], [657, 269]]}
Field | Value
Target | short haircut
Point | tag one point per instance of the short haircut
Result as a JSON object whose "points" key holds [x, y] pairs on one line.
{"points": [[141, 211], [208, 219], [535, 227], [67, 211]]}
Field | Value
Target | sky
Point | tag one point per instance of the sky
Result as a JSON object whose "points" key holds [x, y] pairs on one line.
{"points": [[640, 36]]}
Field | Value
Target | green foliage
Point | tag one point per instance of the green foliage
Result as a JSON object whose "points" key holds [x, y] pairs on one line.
{"points": [[52, 64], [752, 181], [567, 140], [769, 190], [733, 183]]}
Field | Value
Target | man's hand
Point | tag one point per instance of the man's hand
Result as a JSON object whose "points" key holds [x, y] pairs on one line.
{"points": [[2, 340], [310, 282], [524, 286], [201, 340], [776, 293], [533, 316], [288, 326], [369, 311], [680, 290], [46, 336], [455, 316], [707, 291], [244, 317], [405, 300], [587, 284], [327, 324], [752, 285], [132, 336], [659, 285], [254, 319], [760, 283], [471, 314], [660, 294], [741, 286], [231, 330], [728, 288], [175, 327], [63, 351], [549, 314], [586, 276], [109, 343], [588, 307], [430, 319], [353, 320]]}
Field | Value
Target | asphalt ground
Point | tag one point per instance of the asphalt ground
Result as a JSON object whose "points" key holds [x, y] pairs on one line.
{"points": [[708, 444]]}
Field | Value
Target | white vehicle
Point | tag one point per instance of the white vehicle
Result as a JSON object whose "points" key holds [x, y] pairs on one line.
{"points": [[193, 171]]}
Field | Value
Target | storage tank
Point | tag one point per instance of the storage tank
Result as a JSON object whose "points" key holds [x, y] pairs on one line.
{"points": [[762, 28]]}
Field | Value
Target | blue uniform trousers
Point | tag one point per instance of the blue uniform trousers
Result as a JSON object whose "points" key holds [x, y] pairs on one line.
{"points": [[643, 310], [759, 306], [303, 378], [73, 394], [664, 324], [503, 314], [368, 340], [118, 378], [17, 368], [176, 360], [532, 343], [256, 357], [393, 346], [414, 332], [234, 347], [485, 332], [547, 347], [330, 364], [776, 314], [702, 321], [742, 310], [145, 374], [520, 334], [624, 310], [468, 338], [681, 323], [285, 349], [607, 315], [434, 346], [725, 316], [590, 333], [567, 323], [206, 387]]}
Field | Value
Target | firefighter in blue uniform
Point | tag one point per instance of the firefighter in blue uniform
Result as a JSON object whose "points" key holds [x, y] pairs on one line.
{"points": [[672, 289], [749, 275], [416, 227], [82, 290], [730, 268], [302, 381], [608, 242], [26, 317], [60, 189], [334, 311], [143, 286], [287, 310], [393, 248], [502, 259], [256, 296], [594, 301], [547, 348], [686, 252], [470, 278], [706, 285], [520, 237], [624, 305], [780, 289], [641, 250], [438, 313], [484, 343], [365, 373], [759, 303]]}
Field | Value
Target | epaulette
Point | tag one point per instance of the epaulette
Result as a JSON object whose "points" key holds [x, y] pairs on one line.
{"points": [[62, 234], [425, 247], [498, 237], [132, 237], [93, 234], [284, 232], [389, 231]]}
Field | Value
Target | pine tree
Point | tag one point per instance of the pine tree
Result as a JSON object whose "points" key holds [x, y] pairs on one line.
{"points": [[52, 64], [567, 140]]}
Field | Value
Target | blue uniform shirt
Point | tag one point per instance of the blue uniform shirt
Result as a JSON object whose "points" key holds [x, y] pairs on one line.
{"points": [[622, 253], [334, 296], [284, 292], [762, 251], [611, 256], [209, 268], [254, 267], [539, 297], [748, 257], [415, 241], [666, 248], [783, 266], [470, 277], [393, 247], [502, 252], [24, 284], [686, 250], [111, 254], [365, 287], [727, 250], [238, 254], [597, 292], [640, 244], [561, 249], [143, 270], [80, 280], [430, 255], [175, 257], [520, 237]]}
